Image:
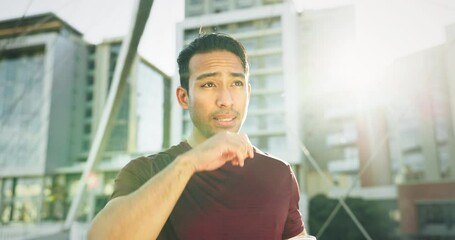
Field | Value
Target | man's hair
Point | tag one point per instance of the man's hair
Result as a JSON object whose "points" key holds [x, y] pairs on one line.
{"points": [[208, 43]]}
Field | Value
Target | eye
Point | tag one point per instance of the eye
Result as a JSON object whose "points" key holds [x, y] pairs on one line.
{"points": [[238, 83], [208, 85]]}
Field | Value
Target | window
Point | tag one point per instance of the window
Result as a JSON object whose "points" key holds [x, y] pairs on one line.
{"points": [[89, 96], [266, 2], [87, 128], [271, 61], [21, 102], [90, 80], [250, 44], [219, 6], [277, 145], [244, 27], [194, 7], [273, 23], [272, 41], [273, 81], [191, 34], [88, 113], [274, 101], [276, 122], [244, 3]]}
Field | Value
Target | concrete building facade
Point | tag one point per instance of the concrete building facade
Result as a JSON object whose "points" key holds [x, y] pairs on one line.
{"points": [[423, 140], [53, 87]]}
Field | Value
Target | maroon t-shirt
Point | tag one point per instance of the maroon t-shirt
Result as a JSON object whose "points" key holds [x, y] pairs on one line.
{"points": [[258, 201]]}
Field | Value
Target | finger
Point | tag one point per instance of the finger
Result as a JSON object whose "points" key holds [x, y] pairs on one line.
{"points": [[241, 156], [250, 148], [251, 152]]}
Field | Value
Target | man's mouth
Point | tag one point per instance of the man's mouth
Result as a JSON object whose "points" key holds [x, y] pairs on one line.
{"points": [[225, 120]]}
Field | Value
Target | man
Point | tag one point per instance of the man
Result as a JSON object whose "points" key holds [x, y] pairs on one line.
{"points": [[215, 184]]}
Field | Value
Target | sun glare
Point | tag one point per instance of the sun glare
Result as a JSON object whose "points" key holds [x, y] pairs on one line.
{"points": [[358, 74]]}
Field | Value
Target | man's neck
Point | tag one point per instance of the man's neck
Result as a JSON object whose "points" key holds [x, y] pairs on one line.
{"points": [[193, 141]]}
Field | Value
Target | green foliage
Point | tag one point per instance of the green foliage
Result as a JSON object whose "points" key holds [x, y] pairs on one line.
{"points": [[373, 215]]}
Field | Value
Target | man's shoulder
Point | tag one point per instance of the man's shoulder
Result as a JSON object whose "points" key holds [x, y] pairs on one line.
{"points": [[158, 160], [269, 157]]}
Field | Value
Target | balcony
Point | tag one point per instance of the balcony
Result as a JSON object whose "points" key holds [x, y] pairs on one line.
{"points": [[369, 193], [342, 138], [344, 166]]}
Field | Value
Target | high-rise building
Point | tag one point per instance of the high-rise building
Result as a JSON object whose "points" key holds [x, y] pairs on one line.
{"points": [[41, 60], [423, 139], [53, 87]]}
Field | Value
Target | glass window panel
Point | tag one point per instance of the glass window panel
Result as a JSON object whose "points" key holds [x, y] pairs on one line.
{"points": [[276, 122], [27, 199], [244, 27], [277, 145], [351, 153], [255, 141], [191, 34], [255, 63], [21, 99], [244, 3], [195, 2], [273, 23], [251, 123], [274, 101], [414, 166], [220, 6], [272, 61], [256, 102], [272, 41], [221, 28], [250, 44], [273, 81], [441, 130]]}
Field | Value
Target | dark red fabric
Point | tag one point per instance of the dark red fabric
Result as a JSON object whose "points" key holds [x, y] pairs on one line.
{"points": [[258, 201]]}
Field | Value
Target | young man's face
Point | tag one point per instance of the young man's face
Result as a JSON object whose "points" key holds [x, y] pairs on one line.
{"points": [[218, 94]]}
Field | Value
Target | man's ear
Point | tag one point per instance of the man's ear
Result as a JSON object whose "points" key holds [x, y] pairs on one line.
{"points": [[182, 97]]}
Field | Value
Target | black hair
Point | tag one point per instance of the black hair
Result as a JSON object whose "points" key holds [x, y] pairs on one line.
{"points": [[206, 43]]}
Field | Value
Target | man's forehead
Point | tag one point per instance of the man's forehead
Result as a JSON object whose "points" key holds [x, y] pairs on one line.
{"points": [[205, 75], [218, 58]]}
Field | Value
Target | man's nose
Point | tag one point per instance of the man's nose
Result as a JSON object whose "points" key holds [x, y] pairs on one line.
{"points": [[224, 98]]}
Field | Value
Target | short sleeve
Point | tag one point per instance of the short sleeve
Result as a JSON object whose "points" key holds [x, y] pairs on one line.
{"points": [[294, 224], [132, 176]]}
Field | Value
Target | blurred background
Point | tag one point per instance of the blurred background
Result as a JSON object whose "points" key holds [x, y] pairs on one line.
{"points": [[359, 96]]}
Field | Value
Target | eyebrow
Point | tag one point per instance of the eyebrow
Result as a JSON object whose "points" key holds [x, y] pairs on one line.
{"points": [[211, 74]]}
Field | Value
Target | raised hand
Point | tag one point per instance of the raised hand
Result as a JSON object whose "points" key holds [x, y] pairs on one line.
{"points": [[219, 149]]}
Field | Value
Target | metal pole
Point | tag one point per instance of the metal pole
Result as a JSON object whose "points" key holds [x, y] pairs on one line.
{"points": [[124, 62]]}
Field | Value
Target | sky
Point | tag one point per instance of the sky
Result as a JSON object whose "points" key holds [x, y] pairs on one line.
{"points": [[100, 20], [385, 29]]}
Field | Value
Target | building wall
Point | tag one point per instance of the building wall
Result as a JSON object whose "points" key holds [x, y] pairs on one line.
{"points": [[37, 106], [374, 160], [39, 69], [67, 61], [326, 110], [410, 194], [421, 117], [203, 7], [53, 87]]}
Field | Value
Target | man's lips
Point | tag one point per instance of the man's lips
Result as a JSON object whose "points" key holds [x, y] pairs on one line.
{"points": [[225, 119]]}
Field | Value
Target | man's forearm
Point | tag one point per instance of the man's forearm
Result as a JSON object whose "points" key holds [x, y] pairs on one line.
{"points": [[142, 214]]}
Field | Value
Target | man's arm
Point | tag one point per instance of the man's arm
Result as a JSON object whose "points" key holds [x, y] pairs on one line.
{"points": [[143, 213]]}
